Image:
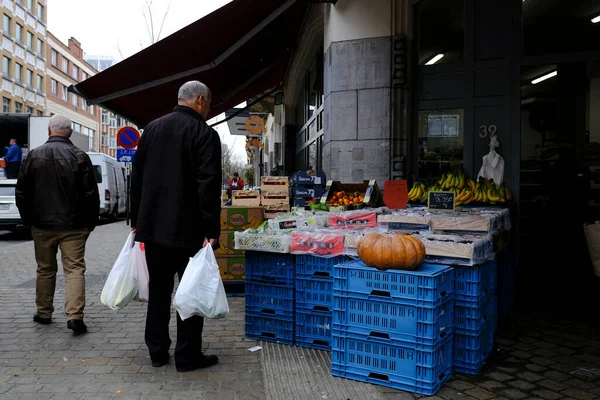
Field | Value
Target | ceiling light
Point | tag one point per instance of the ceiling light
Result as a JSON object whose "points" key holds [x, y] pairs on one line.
{"points": [[596, 20], [434, 59], [543, 78]]}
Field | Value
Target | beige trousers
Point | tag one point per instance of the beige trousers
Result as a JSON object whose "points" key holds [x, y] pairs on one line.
{"points": [[72, 249]]}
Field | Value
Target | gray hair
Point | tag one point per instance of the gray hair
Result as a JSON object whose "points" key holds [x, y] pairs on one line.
{"points": [[60, 123], [191, 90]]}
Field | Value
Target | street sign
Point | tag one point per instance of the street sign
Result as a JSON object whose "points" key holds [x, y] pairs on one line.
{"points": [[125, 155], [128, 137]]}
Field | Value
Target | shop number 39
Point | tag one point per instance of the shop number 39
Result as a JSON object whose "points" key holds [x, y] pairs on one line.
{"points": [[487, 130]]}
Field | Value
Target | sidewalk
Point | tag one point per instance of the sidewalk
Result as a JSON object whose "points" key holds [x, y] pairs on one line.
{"points": [[548, 361]]}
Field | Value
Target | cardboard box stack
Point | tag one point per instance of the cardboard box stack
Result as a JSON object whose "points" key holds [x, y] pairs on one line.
{"points": [[232, 262], [307, 188], [275, 195]]}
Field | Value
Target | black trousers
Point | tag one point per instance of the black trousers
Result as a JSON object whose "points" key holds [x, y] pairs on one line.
{"points": [[12, 170], [163, 264]]}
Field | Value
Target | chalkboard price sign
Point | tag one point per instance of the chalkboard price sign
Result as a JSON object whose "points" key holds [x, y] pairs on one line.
{"points": [[443, 201]]}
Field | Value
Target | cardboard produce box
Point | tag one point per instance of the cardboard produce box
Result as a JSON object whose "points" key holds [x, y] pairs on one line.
{"points": [[240, 218], [245, 198], [227, 245], [372, 197], [232, 269]]}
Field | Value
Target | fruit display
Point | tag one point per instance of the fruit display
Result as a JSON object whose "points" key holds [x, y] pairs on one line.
{"points": [[343, 198], [391, 251], [467, 191]]}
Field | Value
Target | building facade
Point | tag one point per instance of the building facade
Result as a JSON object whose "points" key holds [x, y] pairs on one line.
{"points": [[23, 55], [100, 63], [65, 67], [110, 124]]}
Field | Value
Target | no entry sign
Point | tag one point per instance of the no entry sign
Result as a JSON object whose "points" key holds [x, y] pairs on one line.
{"points": [[128, 137]]}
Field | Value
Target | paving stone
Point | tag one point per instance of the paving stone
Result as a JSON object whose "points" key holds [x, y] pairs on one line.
{"points": [[530, 376], [553, 385], [535, 368], [548, 394], [492, 385], [578, 394], [512, 394], [480, 394], [500, 377], [544, 362], [522, 385]]}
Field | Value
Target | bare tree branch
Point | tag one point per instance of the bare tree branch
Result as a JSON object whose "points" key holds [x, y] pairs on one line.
{"points": [[149, 19], [163, 20], [119, 50]]}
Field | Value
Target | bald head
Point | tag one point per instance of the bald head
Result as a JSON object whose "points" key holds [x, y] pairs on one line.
{"points": [[195, 95], [59, 125]]}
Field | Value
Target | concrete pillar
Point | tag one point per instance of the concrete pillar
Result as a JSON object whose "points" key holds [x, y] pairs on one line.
{"points": [[358, 88]]}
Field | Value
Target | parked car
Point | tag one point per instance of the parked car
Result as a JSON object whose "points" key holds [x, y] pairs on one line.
{"points": [[10, 219], [110, 176]]}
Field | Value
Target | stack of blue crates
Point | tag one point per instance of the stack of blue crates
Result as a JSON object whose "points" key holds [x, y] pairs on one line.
{"points": [[270, 281], [393, 328], [475, 316], [314, 300]]}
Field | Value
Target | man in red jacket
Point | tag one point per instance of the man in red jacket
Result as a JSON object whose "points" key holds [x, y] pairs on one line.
{"points": [[235, 183]]}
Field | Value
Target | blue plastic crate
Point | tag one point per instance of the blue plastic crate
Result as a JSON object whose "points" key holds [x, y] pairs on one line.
{"points": [[269, 311], [271, 329], [313, 329], [308, 266], [474, 315], [270, 267], [393, 322], [466, 342], [430, 285], [470, 368], [474, 283], [315, 293], [270, 296], [416, 368]]}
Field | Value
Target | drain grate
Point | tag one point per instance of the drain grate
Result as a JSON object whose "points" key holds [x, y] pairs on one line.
{"points": [[90, 281]]}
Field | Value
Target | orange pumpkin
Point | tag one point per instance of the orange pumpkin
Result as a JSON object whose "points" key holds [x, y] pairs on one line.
{"points": [[391, 251]]}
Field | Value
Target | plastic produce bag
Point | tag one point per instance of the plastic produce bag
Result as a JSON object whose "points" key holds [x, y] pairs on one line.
{"points": [[141, 269], [121, 285], [201, 290]]}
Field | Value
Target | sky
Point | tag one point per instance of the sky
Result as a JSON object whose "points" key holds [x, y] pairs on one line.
{"points": [[117, 28]]}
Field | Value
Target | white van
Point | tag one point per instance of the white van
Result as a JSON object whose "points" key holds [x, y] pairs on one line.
{"points": [[110, 175]]}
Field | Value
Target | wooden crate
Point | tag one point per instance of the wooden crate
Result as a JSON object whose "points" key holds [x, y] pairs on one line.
{"points": [[274, 198], [247, 198], [272, 210], [274, 184]]}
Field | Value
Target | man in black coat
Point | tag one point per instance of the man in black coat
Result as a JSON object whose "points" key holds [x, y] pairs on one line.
{"points": [[57, 195], [175, 204]]}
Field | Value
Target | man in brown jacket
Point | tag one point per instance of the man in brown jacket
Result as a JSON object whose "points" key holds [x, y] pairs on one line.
{"points": [[57, 195]]}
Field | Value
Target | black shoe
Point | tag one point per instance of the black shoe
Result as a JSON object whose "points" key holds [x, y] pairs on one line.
{"points": [[77, 326], [42, 320], [205, 362]]}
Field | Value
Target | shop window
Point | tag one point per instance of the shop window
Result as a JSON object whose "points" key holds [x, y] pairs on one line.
{"points": [[441, 142], [579, 23], [441, 31]]}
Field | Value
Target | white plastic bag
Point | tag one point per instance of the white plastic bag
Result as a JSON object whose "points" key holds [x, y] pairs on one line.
{"points": [[201, 290], [141, 269], [121, 285]]}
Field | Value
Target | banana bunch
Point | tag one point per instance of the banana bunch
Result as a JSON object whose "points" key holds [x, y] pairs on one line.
{"points": [[465, 197], [418, 193]]}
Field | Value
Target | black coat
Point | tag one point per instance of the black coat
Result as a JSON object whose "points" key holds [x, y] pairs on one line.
{"points": [[176, 181], [57, 187]]}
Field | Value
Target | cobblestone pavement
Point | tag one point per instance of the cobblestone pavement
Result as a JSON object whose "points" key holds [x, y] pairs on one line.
{"points": [[535, 358]]}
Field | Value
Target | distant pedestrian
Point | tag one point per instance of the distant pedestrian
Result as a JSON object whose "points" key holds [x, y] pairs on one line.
{"points": [[175, 204], [235, 183], [57, 196], [13, 159]]}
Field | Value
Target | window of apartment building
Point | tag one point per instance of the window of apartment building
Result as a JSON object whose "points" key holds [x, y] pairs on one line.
{"points": [[76, 127], [40, 46], [29, 40], [40, 113], [6, 66], [65, 65], [54, 58], [65, 93], [29, 110], [92, 111], [40, 11], [104, 139], [6, 24], [18, 107], [19, 33], [19, 72], [83, 105], [5, 105], [74, 99], [54, 87], [84, 75], [40, 83], [75, 74], [113, 122], [105, 117], [29, 79], [113, 141], [30, 4]]}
